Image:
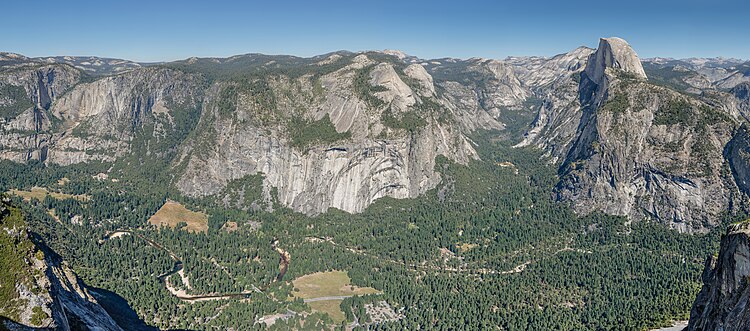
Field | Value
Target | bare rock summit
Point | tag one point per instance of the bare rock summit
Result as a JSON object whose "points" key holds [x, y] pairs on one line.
{"points": [[613, 53]]}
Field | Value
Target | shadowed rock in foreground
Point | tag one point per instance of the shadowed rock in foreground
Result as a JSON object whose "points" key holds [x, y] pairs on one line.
{"points": [[722, 303]]}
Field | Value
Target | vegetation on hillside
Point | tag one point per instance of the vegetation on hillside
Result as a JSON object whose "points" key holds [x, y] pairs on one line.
{"points": [[13, 101], [16, 252], [487, 248], [304, 133], [364, 90]]}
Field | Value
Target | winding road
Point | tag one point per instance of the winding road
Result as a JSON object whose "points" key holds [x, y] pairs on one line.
{"points": [[338, 297], [284, 260]]}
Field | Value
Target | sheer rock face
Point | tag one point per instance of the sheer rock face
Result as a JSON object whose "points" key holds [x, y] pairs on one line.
{"points": [[738, 154], [562, 81], [555, 80], [349, 174], [141, 111], [631, 148], [645, 151], [723, 304], [100, 119], [741, 102], [26, 136], [595, 115], [92, 121], [629, 161], [613, 53], [502, 89], [44, 84], [48, 288]]}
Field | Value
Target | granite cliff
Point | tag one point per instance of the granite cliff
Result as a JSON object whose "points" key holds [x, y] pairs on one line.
{"points": [[39, 290], [722, 303], [343, 129]]}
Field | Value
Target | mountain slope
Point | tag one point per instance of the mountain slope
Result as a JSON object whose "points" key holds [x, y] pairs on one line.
{"points": [[341, 139], [639, 149], [722, 303], [359, 126], [38, 289], [342, 130]]}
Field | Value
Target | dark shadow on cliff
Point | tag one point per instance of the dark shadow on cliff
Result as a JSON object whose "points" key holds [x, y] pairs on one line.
{"points": [[117, 307]]}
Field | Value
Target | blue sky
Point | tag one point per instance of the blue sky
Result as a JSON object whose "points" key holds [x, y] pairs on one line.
{"points": [[169, 30]]}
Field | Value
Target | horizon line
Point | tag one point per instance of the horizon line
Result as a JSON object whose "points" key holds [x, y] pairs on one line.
{"points": [[383, 51]]}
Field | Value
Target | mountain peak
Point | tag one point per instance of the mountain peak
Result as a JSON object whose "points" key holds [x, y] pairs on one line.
{"points": [[397, 53], [615, 53]]}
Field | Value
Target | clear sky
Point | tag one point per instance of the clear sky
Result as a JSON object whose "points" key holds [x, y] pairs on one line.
{"points": [[169, 30]]}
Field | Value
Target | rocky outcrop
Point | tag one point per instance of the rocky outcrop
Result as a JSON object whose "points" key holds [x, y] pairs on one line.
{"points": [[723, 303], [555, 80], [645, 151], [100, 119], [501, 89], [47, 292], [73, 307], [377, 159], [613, 53], [396, 93], [74, 122], [343, 129], [426, 83], [741, 102]]}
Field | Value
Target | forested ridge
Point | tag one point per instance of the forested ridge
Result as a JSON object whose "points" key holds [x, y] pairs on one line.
{"points": [[487, 248]]}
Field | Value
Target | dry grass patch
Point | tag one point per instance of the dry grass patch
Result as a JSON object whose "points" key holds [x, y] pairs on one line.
{"points": [[330, 307], [39, 193], [328, 284], [230, 227], [172, 213], [465, 247]]}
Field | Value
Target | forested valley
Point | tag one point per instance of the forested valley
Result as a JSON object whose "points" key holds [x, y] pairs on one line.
{"points": [[488, 247]]}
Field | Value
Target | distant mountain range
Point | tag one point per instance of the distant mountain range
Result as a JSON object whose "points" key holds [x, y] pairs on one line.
{"points": [[368, 125]]}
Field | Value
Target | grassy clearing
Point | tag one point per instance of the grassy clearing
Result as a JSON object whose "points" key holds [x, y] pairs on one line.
{"points": [[172, 213], [328, 284], [39, 193], [330, 307]]}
